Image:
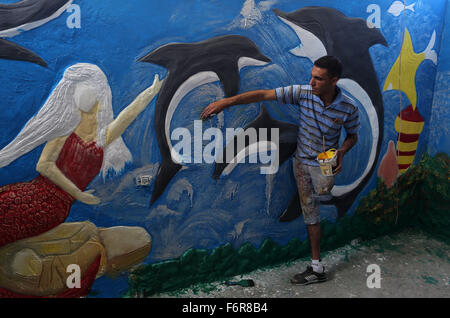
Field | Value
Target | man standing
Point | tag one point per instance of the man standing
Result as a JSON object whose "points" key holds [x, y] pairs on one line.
{"points": [[323, 112]]}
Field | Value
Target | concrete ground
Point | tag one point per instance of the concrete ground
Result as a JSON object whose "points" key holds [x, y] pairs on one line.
{"points": [[411, 265]]}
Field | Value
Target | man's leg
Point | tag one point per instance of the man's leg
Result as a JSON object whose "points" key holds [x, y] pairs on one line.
{"points": [[322, 186], [314, 234], [311, 217]]}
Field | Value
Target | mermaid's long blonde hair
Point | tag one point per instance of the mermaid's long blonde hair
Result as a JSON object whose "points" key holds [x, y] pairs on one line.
{"points": [[60, 115]]}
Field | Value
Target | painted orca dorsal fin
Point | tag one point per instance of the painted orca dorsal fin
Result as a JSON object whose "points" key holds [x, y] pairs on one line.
{"points": [[264, 113]]}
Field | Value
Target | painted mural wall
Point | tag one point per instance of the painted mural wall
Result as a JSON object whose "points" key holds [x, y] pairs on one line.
{"points": [[438, 140], [106, 164]]}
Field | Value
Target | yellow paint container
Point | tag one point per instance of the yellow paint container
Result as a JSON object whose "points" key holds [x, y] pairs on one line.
{"points": [[327, 160]]}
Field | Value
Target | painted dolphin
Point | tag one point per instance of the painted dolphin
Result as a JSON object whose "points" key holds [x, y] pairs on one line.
{"points": [[326, 31], [29, 14], [12, 51], [191, 65], [287, 143], [23, 16]]}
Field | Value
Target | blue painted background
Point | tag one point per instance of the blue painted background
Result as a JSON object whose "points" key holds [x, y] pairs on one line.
{"points": [[195, 210], [439, 140]]}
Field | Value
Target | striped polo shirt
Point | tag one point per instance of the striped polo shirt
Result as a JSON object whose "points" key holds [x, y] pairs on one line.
{"points": [[318, 121]]}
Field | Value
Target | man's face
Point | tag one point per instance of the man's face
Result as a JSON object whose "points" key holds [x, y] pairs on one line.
{"points": [[321, 82]]}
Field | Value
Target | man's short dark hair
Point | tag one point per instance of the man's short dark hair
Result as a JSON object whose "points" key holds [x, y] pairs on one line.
{"points": [[331, 64]]}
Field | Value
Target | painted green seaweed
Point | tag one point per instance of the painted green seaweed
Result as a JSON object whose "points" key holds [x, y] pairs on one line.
{"points": [[419, 199]]}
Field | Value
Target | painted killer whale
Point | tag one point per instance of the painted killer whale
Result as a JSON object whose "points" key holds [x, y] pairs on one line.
{"points": [[286, 147], [23, 16], [12, 51], [326, 31], [191, 65]]}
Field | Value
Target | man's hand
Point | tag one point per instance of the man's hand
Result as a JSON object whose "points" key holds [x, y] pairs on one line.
{"points": [[214, 108], [244, 98], [349, 142], [340, 157]]}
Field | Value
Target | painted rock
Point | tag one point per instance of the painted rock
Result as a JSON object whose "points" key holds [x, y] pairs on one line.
{"points": [[42, 266]]}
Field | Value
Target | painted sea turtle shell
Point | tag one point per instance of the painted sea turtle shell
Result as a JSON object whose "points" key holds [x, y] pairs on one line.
{"points": [[38, 266]]}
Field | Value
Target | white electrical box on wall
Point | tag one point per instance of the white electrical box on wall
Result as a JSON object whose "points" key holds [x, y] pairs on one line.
{"points": [[143, 180]]}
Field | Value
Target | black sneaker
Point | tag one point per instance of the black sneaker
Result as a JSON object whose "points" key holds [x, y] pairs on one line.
{"points": [[309, 277]]}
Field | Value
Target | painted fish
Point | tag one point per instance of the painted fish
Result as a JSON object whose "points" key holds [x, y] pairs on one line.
{"points": [[409, 123], [398, 7], [402, 76]]}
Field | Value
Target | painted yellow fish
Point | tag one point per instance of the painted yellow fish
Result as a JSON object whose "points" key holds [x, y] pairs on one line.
{"points": [[409, 123], [406, 65]]}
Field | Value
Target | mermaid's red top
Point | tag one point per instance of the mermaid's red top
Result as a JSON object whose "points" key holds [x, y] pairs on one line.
{"points": [[30, 208]]}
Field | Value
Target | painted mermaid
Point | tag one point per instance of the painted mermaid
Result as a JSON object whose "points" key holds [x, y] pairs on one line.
{"points": [[81, 138]]}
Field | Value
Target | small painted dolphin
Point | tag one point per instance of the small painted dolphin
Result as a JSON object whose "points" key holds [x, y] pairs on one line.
{"points": [[285, 145], [326, 31], [23, 16], [191, 65]]}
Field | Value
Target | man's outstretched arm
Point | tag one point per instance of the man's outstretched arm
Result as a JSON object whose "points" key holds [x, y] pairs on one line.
{"points": [[244, 98]]}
